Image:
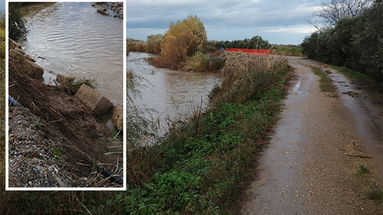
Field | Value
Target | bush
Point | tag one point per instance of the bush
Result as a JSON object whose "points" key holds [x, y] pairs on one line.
{"points": [[136, 45], [154, 43], [204, 63], [184, 39], [255, 42], [354, 42], [16, 22]]}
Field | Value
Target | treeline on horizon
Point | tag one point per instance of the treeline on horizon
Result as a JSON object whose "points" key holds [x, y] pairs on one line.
{"points": [[354, 42], [256, 42]]}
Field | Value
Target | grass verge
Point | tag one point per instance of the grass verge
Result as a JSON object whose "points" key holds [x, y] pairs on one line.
{"points": [[326, 84]]}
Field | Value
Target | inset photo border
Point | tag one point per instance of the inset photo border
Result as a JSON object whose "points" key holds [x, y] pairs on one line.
{"points": [[65, 115]]}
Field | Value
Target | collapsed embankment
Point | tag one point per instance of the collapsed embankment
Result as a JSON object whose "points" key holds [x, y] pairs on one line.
{"points": [[56, 139]]}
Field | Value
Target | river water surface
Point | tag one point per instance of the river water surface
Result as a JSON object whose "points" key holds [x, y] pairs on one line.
{"points": [[170, 94], [73, 39]]}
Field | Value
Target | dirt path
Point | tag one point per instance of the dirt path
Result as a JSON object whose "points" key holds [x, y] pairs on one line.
{"points": [[305, 170]]}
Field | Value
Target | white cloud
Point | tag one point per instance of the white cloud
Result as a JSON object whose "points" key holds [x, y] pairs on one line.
{"points": [[223, 18], [304, 29]]}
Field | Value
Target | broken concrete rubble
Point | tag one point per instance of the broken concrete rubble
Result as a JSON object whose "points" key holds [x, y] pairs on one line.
{"points": [[94, 100]]}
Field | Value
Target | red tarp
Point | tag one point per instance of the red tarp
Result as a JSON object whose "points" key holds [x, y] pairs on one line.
{"points": [[251, 51]]}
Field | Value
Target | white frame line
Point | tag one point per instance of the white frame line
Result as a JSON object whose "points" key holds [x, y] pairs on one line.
{"points": [[7, 188]]}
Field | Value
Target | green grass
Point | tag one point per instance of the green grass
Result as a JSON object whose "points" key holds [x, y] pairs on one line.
{"points": [[358, 77], [288, 50], [74, 86], [325, 83], [376, 195], [362, 170], [39, 125]]}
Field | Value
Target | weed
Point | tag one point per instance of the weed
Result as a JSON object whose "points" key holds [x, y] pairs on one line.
{"points": [[326, 84], [57, 152], [362, 170], [74, 86], [375, 194], [204, 63], [39, 125]]}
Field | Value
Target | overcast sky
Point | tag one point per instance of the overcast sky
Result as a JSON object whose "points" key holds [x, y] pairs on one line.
{"points": [[278, 21]]}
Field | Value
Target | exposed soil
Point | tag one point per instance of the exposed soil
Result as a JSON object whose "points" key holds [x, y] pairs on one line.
{"points": [[311, 164], [70, 127]]}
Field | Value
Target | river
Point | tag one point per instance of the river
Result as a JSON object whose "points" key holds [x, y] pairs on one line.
{"points": [[73, 39], [169, 94]]}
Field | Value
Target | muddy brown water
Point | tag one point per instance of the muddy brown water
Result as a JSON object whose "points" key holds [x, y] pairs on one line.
{"points": [[73, 39], [169, 94]]}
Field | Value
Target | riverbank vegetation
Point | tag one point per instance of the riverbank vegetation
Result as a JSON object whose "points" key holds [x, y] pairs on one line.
{"points": [[16, 22], [255, 42], [183, 47], [203, 162], [353, 42]]}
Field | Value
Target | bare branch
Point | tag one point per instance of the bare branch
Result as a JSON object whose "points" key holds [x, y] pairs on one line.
{"points": [[332, 11]]}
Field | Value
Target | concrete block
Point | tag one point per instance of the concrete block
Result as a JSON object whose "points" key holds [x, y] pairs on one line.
{"points": [[94, 100]]}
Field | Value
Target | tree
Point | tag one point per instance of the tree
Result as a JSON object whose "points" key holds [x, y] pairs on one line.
{"points": [[354, 42], [333, 11], [184, 39], [154, 43]]}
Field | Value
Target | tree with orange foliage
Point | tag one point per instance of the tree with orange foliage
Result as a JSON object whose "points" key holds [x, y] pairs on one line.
{"points": [[184, 39]]}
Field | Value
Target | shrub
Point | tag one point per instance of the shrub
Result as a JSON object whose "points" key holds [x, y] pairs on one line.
{"points": [[154, 43], [136, 45], [255, 42], [16, 22], [204, 63], [354, 42], [184, 39]]}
